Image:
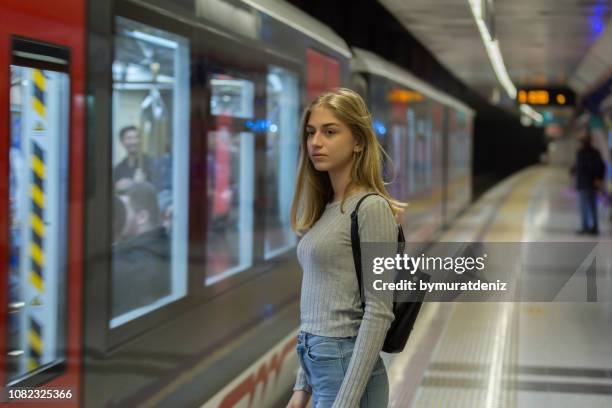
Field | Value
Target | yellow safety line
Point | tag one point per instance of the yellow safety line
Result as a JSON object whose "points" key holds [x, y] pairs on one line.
{"points": [[508, 223]]}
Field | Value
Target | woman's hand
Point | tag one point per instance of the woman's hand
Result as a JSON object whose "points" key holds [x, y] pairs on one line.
{"points": [[299, 399]]}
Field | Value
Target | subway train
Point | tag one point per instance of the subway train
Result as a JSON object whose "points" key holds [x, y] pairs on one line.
{"points": [[147, 174]]}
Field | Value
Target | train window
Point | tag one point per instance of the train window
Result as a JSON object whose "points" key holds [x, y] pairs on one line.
{"points": [[395, 152], [460, 152], [230, 181], [150, 169], [419, 147], [281, 158], [38, 197], [231, 97]]}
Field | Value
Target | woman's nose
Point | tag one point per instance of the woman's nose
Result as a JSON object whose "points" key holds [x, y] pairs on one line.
{"points": [[316, 139]]}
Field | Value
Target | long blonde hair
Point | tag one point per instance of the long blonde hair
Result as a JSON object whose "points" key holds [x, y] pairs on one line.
{"points": [[313, 189]]}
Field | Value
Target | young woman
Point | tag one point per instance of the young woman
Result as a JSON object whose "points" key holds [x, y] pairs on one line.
{"points": [[339, 341]]}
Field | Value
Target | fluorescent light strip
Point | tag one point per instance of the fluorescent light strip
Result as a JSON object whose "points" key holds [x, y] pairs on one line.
{"points": [[493, 52], [153, 39], [40, 57], [533, 114]]}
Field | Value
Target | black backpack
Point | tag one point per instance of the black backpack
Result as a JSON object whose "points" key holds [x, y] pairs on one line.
{"points": [[405, 312]]}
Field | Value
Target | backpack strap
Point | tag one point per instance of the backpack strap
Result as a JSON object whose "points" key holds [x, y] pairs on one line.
{"points": [[356, 244]]}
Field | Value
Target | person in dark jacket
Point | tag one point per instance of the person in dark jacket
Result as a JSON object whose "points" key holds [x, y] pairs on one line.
{"points": [[589, 171], [137, 165], [141, 259]]}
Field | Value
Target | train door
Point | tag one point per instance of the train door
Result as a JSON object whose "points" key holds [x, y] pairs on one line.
{"points": [[41, 93]]}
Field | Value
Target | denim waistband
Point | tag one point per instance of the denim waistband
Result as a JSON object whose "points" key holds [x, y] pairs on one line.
{"points": [[309, 339]]}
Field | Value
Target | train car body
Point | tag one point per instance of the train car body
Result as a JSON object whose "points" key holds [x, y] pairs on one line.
{"points": [[149, 169], [215, 89], [42, 110], [427, 136]]}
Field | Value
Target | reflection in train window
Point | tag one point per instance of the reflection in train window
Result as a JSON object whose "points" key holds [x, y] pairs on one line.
{"points": [[230, 198], [150, 169], [322, 75], [419, 147], [459, 152], [231, 97], [395, 152], [38, 196], [281, 158]]}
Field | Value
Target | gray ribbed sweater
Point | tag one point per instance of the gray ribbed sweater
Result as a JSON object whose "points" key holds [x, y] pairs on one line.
{"points": [[330, 302]]}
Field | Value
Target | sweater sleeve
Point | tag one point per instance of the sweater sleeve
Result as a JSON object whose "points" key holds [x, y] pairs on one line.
{"points": [[376, 224], [300, 382]]}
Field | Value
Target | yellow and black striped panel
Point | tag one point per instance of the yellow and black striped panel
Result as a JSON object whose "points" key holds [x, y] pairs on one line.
{"points": [[40, 89], [35, 344], [37, 221], [37, 254]]}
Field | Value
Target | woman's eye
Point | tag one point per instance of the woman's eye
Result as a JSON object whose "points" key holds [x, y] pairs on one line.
{"points": [[331, 132]]}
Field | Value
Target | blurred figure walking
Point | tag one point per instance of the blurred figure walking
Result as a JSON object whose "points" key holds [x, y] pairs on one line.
{"points": [[589, 170]]}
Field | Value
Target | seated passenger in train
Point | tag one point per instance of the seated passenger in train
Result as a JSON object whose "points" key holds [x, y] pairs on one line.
{"points": [[163, 167], [119, 214], [137, 165], [141, 256]]}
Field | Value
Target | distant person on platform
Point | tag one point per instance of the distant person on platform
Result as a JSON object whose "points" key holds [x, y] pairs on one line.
{"points": [[141, 258], [589, 170], [137, 166]]}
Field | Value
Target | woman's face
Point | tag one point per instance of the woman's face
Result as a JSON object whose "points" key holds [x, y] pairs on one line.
{"points": [[330, 142]]}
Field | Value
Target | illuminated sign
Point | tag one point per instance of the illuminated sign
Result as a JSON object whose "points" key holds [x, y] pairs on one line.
{"points": [[534, 97], [545, 97], [379, 128], [404, 96], [561, 99], [261, 125]]}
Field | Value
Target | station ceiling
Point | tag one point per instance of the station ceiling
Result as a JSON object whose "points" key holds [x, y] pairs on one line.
{"points": [[544, 43]]}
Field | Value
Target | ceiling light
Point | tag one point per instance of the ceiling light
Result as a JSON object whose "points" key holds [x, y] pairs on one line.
{"points": [[153, 39], [492, 47], [532, 113]]}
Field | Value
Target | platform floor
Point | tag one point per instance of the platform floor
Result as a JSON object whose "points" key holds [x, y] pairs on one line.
{"points": [[497, 355]]}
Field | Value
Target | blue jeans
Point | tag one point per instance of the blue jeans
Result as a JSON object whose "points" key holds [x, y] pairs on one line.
{"points": [[325, 361], [588, 209]]}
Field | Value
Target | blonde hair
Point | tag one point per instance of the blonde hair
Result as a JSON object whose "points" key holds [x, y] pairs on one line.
{"points": [[313, 189]]}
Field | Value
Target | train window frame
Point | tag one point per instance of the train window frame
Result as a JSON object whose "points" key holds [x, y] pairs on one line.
{"points": [[108, 339], [178, 237], [259, 263], [242, 126], [287, 166], [34, 54]]}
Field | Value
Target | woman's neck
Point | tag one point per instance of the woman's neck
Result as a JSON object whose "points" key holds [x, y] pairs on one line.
{"points": [[340, 179], [340, 193]]}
